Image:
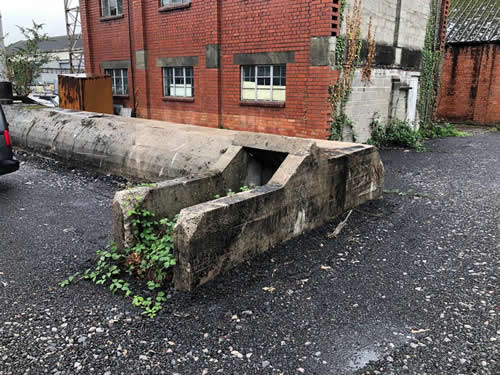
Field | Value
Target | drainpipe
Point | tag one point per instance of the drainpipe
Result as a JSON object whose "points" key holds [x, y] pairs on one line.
{"points": [[132, 75], [219, 73]]}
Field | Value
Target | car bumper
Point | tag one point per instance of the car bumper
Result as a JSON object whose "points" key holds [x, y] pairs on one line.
{"points": [[8, 166]]}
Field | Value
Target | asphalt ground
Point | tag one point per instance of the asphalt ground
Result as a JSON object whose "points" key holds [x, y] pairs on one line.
{"points": [[409, 287]]}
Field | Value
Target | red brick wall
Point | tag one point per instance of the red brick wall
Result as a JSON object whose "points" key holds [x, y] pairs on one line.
{"points": [[238, 26], [470, 84]]}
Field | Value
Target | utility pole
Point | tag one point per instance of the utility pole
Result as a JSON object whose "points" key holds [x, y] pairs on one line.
{"points": [[74, 32]]}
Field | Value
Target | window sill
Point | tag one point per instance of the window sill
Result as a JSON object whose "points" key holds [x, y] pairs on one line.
{"points": [[168, 8], [178, 99], [120, 96], [111, 18], [262, 103]]}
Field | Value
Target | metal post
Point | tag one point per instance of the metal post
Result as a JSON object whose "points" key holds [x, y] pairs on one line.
{"points": [[74, 33]]}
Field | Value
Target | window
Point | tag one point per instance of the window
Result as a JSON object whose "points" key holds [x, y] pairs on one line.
{"points": [[112, 8], [167, 3], [263, 82], [119, 80], [178, 82]]}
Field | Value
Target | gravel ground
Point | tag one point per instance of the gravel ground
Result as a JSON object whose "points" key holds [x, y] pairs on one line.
{"points": [[409, 287]]}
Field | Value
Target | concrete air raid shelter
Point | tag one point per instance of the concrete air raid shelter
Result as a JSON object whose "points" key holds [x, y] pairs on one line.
{"points": [[470, 81]]}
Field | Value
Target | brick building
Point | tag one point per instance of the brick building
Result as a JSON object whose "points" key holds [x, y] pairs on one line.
{"points": [[255, 65], [470, 81]]}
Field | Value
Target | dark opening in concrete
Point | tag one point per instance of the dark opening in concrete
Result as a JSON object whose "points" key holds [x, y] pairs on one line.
{"points": [[262, 165]]}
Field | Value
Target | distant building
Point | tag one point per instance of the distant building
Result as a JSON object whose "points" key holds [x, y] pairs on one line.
{"points": [[261, 66], [470, 80], [58, 48]]}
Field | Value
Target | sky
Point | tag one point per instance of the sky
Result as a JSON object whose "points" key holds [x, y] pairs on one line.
{"points": [[22, 12]]}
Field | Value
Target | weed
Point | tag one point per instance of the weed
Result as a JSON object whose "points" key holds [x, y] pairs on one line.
{"points": [[230, 192], [397, 133], [431, 131], [69, 280], [145, 185], [150, 259], [402, 134]]}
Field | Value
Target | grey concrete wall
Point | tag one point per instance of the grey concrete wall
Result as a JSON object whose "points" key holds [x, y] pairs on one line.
{"points": [[307, 191], [399, 46], [414, 15], [168, 198], [374, 99]]}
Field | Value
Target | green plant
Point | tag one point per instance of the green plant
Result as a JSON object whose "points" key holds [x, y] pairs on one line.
{"points": [[69, 280], [431, 68], [150, 259], [146, 184], [24, 64], [347, 55], [396, 133], [430, 131], [402, 134], [230, 192], [338, 125]]}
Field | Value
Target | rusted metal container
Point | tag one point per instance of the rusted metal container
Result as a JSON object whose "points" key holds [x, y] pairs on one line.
{"points": [[82, 93]]}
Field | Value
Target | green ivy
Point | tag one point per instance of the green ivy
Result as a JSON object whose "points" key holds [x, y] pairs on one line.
{"points": [[431, 68], [340, 53], [339, 93]]}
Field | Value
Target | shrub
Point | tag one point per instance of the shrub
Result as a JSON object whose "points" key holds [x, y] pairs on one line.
{"points": [[397, 133], [402, 133], [430, 131]]}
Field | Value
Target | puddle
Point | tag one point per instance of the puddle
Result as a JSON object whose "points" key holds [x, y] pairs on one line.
{"points": [[361, 358]]}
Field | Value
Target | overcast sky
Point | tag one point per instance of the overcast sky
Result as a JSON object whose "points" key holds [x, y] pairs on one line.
{"points": [[22, 12]]}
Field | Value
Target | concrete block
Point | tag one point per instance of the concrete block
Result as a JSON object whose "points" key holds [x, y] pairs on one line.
{"points": [[212, 55], [305, 192], [312, 182], [141, 58], [319, 50]]}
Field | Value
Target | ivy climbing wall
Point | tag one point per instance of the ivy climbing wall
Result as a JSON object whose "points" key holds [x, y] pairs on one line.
{"points": [[400, 29]]}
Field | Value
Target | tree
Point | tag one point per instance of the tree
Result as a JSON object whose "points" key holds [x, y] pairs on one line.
{"points": [[24, 63]]}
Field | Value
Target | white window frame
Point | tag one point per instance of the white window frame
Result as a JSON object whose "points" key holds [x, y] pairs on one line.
{"points": [[107, 6], [271, 77], [169, 3], [122, 73], [166, 83]]}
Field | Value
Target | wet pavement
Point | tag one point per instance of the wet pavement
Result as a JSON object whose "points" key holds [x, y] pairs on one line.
{"points": [[409, 287]]}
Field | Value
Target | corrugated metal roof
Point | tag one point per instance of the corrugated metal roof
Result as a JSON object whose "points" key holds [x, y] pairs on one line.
{"points": [[473, 21]]}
